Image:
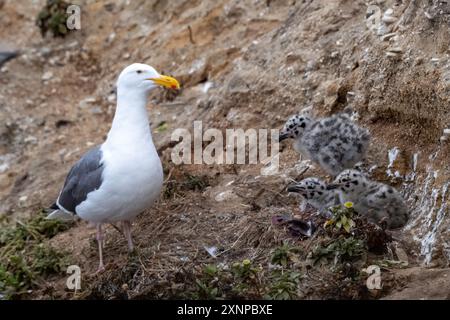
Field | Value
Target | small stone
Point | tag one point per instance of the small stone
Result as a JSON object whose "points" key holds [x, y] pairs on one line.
{"points": [[4, 167], [84, 56], [111, 38], [388, 17], [435, 60], [96, 110], [86, 102], [45, 51], [225, 195], [111, 98], [22, 201], [395, 50], [30, 139], [388, 36], [47, 76]]}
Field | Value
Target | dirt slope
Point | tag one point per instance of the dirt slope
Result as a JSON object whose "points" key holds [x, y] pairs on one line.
{"points": [[242, 65]]}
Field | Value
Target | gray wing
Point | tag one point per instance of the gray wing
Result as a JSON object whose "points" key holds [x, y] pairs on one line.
{"points": [[84, 177]]}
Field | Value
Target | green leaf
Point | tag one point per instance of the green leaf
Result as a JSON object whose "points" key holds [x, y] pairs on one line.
{"points": [[163, 126], [347, 227]]}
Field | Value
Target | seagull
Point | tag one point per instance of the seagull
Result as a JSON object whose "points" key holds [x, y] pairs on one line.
{"points": [[119, 179], [380, 203], [336, 143]]}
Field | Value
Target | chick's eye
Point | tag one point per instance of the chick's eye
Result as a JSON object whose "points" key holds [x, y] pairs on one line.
{"points": [[139, 71]]}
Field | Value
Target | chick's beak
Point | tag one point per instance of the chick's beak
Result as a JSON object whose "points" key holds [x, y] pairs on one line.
{"points": [[166, 81], [283, 136], [333, 186], [295, 188]]}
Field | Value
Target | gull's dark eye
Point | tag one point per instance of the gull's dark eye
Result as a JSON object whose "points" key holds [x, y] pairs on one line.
{"points": [[139, 71]]}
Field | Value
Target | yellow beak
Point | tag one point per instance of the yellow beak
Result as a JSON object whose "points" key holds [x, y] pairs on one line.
{"points": [[166, 81]]}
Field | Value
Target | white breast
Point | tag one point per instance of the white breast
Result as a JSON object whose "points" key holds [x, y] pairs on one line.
{"points": [[132, 181]]}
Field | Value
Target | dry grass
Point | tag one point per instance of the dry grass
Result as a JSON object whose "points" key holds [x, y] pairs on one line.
{"points": [[171, 260]]}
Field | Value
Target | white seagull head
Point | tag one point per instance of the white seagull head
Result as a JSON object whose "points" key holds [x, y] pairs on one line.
{"points": [[143, 77]]}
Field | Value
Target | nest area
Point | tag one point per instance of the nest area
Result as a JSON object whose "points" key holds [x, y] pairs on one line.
{"points": [[194, 245], [191, 246]]}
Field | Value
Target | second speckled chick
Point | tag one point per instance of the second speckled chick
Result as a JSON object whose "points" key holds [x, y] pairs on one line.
{"points": [[377, 201]]}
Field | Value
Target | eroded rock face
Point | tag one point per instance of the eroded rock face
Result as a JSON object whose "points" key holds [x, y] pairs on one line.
{"points": [[265, 59]]}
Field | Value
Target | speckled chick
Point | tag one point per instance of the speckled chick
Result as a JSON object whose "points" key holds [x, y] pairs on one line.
{"points": [[315, 193], [336, 143], [378, 201]]}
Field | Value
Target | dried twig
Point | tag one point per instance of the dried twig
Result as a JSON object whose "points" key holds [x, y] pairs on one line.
{"points": [[191, 37]]}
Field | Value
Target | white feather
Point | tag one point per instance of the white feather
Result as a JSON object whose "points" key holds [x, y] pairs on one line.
{"points": [[60, 215]]}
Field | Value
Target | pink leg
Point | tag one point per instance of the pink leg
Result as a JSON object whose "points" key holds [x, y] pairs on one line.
{"points": [[127, 232], [101, 266]]}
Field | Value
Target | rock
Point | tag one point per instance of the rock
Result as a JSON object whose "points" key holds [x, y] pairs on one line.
{"points": [[225, 196], [111, 38], [47, 76], [22, 201], [86, 102], [388, 18], [30, 140], [4, 167], [111, 98], [237, 85], [96, 110], [388, 36]]}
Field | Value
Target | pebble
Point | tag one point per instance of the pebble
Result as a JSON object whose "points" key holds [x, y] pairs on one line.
{"points": [[22, 201], [388, 36], [47, 76], [85, 102]]}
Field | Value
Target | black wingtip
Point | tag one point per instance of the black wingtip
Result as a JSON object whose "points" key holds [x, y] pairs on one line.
{"points": [[54, 206]]}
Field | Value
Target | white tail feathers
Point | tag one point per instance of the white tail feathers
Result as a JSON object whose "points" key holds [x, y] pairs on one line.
{"points": [[60, 215]]}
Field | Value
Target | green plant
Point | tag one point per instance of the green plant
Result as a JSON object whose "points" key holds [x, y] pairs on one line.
{"points": [[196, 183], [283, 285], [244, 271], [46, 260], [163, 126], [342, 217], [36, 228], [25, 258], [206, 291], [284, 255], [53, 18], [208, 283], [341, 249]]}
